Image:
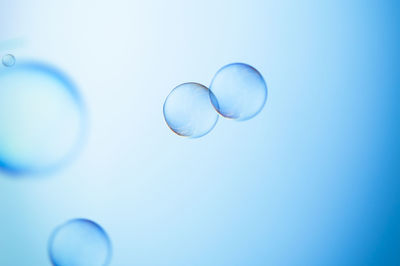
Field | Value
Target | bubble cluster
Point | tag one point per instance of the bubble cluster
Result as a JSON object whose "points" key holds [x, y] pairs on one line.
{"points": [[237, 91], [8, 60], [42, 122], [42, 119], [79, 242]]}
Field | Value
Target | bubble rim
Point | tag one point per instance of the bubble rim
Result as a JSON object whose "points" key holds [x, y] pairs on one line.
{"points": [[165, 119], [72, 89], [214, 99], [79, 220], [5, 58]]}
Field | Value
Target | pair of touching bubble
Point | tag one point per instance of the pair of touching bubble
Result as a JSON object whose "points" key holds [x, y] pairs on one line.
{"points": [[237, 91]]}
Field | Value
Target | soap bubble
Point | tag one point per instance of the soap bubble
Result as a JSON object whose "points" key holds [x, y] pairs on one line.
{"points": [[238, 91], [79, 242], [42, 119], [8, 60], [188, 110]]}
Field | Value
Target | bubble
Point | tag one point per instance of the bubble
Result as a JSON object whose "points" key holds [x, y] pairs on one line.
{"points": [[188, 110], [79, 242], [8, 60], [42, 119], [238, 91]]}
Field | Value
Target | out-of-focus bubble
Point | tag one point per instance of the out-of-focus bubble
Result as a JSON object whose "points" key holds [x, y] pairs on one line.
{"points": [[188, 110], [238, 91], [79, 242], [42, 119], [8, 60]]}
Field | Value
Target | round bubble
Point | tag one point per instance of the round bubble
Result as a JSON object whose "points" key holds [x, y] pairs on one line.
{"points": [[238, 91], [42, 119], [79, 242], [188, 110], [8, 60]]}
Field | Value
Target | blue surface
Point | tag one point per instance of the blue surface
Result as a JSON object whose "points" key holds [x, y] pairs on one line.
{"points": [[312, 180]]}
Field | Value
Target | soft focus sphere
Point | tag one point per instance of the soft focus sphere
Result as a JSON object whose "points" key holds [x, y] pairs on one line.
{"points": [[42, 119], [8, 60], [79, 242], [238, 91], [188, 110]]}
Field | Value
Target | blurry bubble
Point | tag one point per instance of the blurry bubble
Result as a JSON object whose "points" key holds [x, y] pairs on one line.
{"points": [[8, 60], [42, 119], [188, 110], [238, 91], [79, 242]]}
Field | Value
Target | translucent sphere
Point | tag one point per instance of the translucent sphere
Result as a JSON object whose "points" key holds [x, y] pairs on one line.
{"points": [[8, 60], [238, 91], [188, 110], [42, 119], [79, 242]]}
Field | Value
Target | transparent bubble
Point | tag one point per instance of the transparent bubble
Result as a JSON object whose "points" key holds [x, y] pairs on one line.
{"points": [[188, 110], [8, 60], [79, 242], [42, 119], [238, 91]]}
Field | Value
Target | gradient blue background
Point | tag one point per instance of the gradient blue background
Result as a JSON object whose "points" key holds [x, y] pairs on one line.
{"points": [[312, 180]]}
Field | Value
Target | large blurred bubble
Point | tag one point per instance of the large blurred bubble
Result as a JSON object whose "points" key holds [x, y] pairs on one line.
{"points": [[42, 118]]}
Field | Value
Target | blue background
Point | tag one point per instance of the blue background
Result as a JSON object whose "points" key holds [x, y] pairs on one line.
{"points": [[312, 180]]}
